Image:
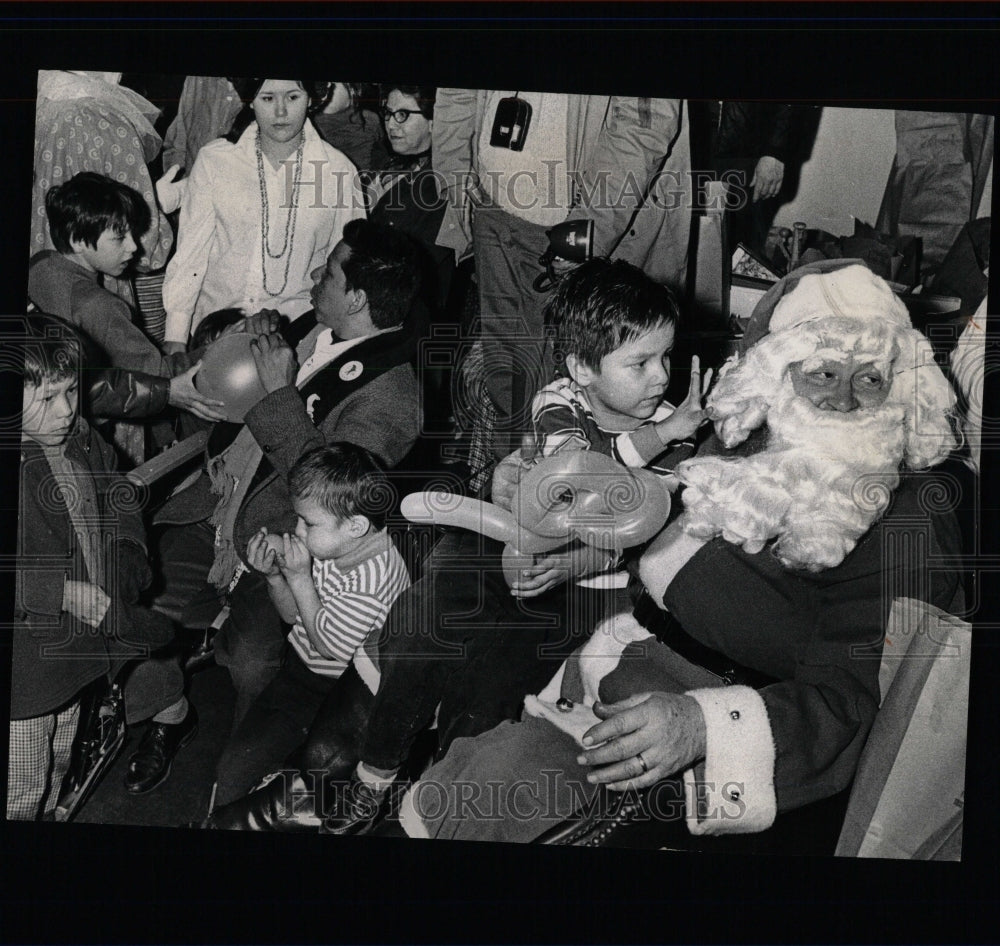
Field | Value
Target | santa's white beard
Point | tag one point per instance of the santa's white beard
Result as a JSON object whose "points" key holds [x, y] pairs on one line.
{"points": [[823, 479]]}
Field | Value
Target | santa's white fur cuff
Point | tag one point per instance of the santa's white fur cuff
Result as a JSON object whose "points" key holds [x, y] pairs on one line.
{"points": [[736, 783]]}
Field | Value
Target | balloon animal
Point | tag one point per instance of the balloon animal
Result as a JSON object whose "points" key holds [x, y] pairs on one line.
{"points": [[577, 495]]}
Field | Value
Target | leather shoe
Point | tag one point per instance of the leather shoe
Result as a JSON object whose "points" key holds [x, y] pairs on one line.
{"points": [[149, 766], [359, 807], [283, 802]]}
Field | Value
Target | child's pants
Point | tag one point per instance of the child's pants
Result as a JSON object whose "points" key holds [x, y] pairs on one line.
{"points": [[40, 750], [276, 724]]}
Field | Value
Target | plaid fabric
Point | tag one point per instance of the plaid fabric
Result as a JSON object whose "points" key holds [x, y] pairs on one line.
{"points": [[40, 750], [476, 417]]}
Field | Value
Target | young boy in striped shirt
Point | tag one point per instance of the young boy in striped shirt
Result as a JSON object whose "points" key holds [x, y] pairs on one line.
{"points": [[334, 580]]}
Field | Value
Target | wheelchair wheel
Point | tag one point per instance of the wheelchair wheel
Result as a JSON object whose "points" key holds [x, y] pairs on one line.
{"points": [[99, 740]]}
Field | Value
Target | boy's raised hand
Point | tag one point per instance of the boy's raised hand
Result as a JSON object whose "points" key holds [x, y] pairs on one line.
{"points": [[262, 555], [86, 601], [690, 415], [296, 560]]}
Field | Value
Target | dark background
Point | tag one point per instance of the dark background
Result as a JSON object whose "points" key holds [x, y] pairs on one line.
{"points": [[104, 884]]}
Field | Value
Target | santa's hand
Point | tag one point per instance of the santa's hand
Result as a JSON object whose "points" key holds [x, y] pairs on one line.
{"points": [[767, 178], [643, 739], [169, 191], [183, 394], [554, 568]]}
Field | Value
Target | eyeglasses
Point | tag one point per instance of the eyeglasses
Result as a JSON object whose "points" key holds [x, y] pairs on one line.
{"points": [[399, 115]]}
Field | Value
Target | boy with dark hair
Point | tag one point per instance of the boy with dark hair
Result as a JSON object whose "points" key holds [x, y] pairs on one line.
{"points": [[615, 329], [74, 602], [334, 580], [92, 209], [96, 225]]}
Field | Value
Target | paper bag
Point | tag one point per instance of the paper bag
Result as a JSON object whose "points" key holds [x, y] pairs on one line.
{"points": [[909, 792]]}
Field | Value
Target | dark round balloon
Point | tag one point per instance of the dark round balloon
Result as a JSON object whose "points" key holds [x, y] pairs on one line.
{"points": [[229, 374]]}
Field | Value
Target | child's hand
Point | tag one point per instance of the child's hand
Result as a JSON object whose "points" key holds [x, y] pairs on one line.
{"points": [[685, 421], [506, 476], [262, 553], [296, 559], [187, 397], [86, 601]]}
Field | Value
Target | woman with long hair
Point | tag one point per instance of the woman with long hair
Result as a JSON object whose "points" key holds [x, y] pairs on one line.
{"points": [[263, 208]]}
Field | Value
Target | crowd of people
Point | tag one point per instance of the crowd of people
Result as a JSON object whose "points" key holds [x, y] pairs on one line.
{"points": [[712, 650]]}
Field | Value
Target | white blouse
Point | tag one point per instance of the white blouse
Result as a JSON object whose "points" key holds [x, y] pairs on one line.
{"points": [[220, 262]]}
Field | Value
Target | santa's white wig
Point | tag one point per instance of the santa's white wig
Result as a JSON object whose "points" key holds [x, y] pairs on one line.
{"points": [[824, 476]]}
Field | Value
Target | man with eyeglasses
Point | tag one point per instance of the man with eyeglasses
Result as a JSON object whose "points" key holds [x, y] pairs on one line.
{"points": [[621, 161]]}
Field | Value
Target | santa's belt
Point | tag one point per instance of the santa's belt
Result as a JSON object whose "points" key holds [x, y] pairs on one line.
{"points": [[667, 630]]}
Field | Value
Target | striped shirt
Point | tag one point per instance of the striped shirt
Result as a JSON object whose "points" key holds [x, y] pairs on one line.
{"points": [[355, 603], [562, 419]]}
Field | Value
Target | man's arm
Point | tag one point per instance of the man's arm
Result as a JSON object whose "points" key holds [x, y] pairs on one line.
{"points": [[279, 421], [452, 146], [776, 130], [282, 427], [775, 142], [382, 416], [634, 141], [118, 393]]}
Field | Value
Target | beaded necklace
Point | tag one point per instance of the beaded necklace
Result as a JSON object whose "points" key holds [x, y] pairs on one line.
{"points": [[288, 241]]}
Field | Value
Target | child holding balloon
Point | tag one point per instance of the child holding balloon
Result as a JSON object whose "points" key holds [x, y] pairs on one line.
{"points": [[614, 330], [334, 580]]}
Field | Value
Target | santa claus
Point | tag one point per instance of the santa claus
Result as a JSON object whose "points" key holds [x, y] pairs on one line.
{"points": [[743, 684], [843, 391]]}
